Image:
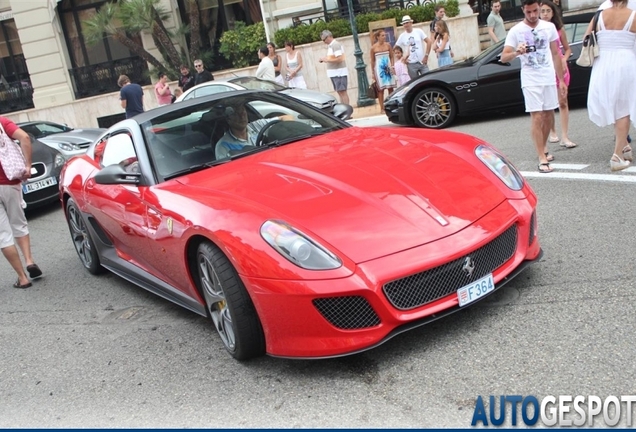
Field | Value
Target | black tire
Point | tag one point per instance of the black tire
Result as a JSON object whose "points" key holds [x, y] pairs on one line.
{"points": [[84, 245], [228, 304], [433, 108]]}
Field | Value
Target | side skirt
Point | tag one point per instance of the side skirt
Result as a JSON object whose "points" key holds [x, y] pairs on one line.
{"points": [[126, 270]]}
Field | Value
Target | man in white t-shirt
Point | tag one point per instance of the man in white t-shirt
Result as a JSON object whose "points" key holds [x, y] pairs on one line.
{"points": [[412, 43], [536, 42], [265, 68]]}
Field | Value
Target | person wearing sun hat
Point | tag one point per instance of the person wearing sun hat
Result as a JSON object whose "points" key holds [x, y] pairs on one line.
{"points": [[412, 41]]}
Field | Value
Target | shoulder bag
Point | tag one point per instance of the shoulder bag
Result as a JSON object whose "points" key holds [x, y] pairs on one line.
{"points": [[372, 92], [11, 157], [589, 49]]}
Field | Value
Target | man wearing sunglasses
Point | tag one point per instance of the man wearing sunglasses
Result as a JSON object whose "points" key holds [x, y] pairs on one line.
{"points": [[202, 74]]}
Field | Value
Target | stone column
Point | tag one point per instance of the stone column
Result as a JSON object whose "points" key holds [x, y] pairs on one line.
{"points": [[465, 9], [43, 47]]}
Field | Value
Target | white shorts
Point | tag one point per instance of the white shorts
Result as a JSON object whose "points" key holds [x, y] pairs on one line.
{"points": [[13, 223], [541, 98]]}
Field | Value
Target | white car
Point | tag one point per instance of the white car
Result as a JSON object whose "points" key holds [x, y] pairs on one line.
{"points": [[322, 101]]}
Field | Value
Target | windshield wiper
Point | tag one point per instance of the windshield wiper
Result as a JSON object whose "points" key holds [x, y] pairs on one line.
{"points": [[192, 169]]}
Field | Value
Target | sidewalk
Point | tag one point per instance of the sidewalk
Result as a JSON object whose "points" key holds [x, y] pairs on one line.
{"points": [[367, 111]]}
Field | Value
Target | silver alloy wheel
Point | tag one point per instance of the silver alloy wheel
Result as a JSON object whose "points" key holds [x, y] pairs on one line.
{"points": [[80, 237], [216, 302], [433, 109]]}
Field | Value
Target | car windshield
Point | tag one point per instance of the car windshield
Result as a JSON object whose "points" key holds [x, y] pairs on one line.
{"points": [[200, 135], [40, 130], [498, 47], [252, 83]]}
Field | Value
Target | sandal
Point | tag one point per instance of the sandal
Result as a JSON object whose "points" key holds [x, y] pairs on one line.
{"points": [[547, 169], [553, 139], [568, 144], [627, 153], [617, 164], [549, 157], [26, 285], [34, 271]]}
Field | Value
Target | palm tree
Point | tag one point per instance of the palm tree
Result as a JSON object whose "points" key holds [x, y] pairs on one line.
{"points": [[134, 16], [104, 23], [195, 35], [139, 15]]}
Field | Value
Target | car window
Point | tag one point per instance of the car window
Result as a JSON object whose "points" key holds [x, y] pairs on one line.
{"points": [[575, 31], [252, 83], [39, 130], [211, 89], [48, 128], [119, 149], [184, 140]]}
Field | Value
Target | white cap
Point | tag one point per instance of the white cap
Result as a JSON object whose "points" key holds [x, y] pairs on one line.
{"points": [[406, 19]]}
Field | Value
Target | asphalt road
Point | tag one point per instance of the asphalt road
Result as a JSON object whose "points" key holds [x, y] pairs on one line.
{"points": [[84, 351]]}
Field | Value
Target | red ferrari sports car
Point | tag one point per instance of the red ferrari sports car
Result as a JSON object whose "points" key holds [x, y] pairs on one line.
{"points": [[296, 233]]}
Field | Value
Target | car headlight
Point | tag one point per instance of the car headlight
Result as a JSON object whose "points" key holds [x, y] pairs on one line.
{"points": [[68, 146], [297, 247], [58, 161], [500, 166], [399, 93]]}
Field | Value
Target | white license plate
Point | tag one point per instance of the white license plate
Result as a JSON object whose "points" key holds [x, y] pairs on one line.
{"points": [[40, 184], [475, 290]]}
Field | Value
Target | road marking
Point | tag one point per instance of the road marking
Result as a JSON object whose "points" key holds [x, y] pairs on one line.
{"points": [[630, 170], [581, 176], [568, 166]]}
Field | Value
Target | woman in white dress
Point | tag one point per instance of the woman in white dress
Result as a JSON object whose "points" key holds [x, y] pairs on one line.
{"points": [[294, 66], [612, 93]]}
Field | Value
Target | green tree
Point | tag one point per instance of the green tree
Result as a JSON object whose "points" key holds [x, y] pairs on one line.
{"points": [[131, 17]]}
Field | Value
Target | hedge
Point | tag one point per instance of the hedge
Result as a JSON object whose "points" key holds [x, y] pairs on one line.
{"points": [[240, 45]]}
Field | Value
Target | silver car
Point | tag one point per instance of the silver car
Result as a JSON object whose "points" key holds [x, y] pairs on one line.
{"points": [[319, 100], [68, 141]]}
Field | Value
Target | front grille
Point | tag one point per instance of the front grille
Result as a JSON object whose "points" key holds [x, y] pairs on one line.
{"points": [[84, 145], [533, 227], [40, 169], [430, 285], [352, 312]]}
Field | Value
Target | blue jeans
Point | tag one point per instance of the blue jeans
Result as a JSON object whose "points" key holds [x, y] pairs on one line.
{"points": [[444, 58]]}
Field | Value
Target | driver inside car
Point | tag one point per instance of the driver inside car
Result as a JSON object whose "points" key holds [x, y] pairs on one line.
{"points": [[241, 133]]}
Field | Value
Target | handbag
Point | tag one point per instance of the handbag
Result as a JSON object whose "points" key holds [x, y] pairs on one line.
{"points": [[11, 157], [371, 91], [589, 49]]}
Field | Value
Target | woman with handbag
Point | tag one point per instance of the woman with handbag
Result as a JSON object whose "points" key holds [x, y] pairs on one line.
{"points": [[15, 166], [612, 93]]}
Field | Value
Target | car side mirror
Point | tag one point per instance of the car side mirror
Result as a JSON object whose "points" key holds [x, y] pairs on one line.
{"points": [[497, 60], [342, 111], [116, 174]]}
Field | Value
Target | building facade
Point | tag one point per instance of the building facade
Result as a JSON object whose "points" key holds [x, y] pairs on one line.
{"points": [[48, 71]]}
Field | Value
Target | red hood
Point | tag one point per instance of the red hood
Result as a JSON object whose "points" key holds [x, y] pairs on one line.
{"points": [[366, 192]]}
